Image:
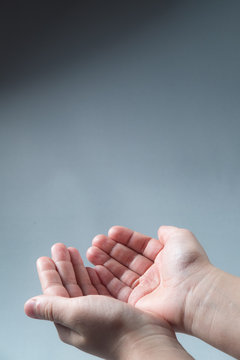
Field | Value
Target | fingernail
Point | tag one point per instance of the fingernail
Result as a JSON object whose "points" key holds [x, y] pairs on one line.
{"points": [[31, 308]]}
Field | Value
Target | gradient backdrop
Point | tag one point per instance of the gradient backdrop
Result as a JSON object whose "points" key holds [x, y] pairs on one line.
{"points": [[113, 113]]}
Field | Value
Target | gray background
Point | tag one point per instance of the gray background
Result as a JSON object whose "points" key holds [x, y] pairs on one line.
{"points": [[114, 114]]}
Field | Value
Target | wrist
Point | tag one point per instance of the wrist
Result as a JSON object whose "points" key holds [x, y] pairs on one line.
{"points": [[213, 311], [150, 341], [198, 300]]}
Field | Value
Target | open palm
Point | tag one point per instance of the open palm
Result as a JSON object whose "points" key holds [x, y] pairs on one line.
{"points": [[65, 275], [100, 325], [154, 275]]}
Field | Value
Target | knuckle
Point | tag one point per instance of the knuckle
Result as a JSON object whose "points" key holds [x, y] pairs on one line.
{"points": [[80, 342], [48, 312], [63, 338], [63, 333]]}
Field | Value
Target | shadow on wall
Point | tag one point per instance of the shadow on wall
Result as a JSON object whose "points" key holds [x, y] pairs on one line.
{"points": [[44, 36]]}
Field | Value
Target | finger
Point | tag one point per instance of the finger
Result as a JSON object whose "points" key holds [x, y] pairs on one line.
{"points": [[49, 278], [99, 257], [76, 319], [142, 244], [101, 289], [73, 313], [168, 232], [81, 273], [53, 308], [62, 260], [116, 287], [122, 254]]}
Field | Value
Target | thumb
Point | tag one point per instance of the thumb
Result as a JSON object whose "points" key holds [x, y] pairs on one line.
{"points": [[52, 308], [165, 232]]}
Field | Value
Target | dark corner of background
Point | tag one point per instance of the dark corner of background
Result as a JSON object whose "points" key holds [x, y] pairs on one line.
{"points": [[37, 36]]}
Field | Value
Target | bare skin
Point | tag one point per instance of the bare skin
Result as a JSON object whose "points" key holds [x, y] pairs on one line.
{"points": [[86, 315], [171, 278], [154, 275]]}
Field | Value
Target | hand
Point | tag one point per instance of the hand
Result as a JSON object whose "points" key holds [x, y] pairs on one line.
{"points": [[97, 324], [173, 279], [157, 276]]}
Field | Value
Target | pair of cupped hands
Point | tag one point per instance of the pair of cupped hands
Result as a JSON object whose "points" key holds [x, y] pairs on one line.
{"points": [[139, 292]]}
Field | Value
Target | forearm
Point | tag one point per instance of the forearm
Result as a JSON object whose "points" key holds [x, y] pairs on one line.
{"points": [[214, 310]]}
